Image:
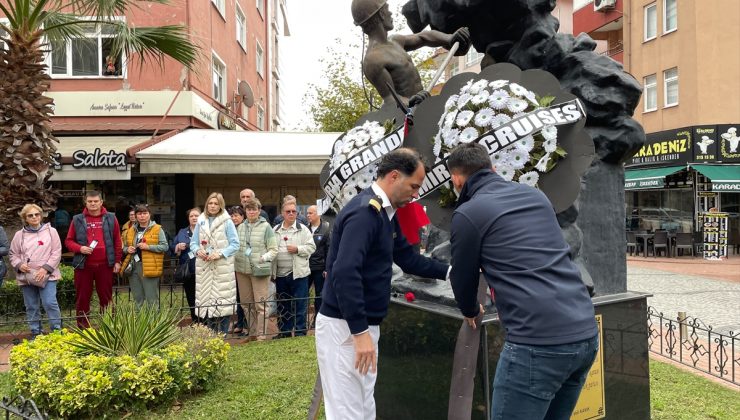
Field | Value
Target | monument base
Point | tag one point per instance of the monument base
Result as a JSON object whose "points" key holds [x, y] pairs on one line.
{"points": [[417, 343]]}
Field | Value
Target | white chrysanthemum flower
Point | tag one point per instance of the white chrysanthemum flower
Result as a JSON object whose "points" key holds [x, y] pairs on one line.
{"points": [[506, 172], [450, 136], [518, 89], [550, 132], [451, 102], [437, 148], [367, 124], [463, 100], [450, 119], [498, 158], [516, 105], [483, 117], [499, 99], [542, 163], [466, 88], [529, 178], [463, 118], [338, 146], [518, 158], [480, 98], [531, 97], [377, 133], [498, 84], [550, 145], [526, 144], [468, 135], [362, 139], [478, 86], [349, 145], [499, 120]]}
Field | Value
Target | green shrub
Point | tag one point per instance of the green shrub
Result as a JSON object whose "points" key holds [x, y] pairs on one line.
{"points": [[52, 371], [11, 297]]}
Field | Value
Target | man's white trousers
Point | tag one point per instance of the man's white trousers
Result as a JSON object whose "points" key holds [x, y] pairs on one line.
{"points": [[348, 395]]}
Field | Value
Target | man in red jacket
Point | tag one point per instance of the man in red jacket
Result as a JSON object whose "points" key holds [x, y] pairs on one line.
{"points": [[95, 239]]}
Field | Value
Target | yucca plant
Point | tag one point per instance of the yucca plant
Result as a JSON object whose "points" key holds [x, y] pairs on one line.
{"points": [[26, 140], [129, 330]]}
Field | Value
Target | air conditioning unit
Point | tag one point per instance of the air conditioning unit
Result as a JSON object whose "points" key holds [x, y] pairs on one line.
{"points": [[600, 5]]}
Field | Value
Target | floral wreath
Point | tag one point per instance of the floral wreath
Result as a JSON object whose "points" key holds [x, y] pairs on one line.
{"points": [[481, 106]]}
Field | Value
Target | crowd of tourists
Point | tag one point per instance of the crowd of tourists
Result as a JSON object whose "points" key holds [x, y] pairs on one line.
{"points": [[232, 262]]}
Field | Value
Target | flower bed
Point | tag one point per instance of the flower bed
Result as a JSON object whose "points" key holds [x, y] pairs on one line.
{"points": [[52, 371]]}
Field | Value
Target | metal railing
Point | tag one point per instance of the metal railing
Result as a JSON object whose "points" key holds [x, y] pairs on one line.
{"points": [[21, 407], [691, 342]]}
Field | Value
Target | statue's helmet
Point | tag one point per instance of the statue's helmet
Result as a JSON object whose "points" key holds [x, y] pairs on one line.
{"points": [[362, 10]]}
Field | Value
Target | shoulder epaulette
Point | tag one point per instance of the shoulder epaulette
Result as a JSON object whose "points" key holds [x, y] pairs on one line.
{"points": [[376, 202]]}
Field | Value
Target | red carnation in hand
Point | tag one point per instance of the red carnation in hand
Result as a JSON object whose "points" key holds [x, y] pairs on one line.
{"points": [[41, 243], [410, 296], [143, 240], [204, 243]]}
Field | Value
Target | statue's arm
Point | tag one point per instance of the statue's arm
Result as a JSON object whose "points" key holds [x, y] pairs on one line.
{"points": [[434, 38]]}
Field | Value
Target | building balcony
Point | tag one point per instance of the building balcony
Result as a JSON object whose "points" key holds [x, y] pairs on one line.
{"points": [[588, 20]]}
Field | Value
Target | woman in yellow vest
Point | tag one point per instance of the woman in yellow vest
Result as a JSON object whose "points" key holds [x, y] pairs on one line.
{"points": [[145, 244]]}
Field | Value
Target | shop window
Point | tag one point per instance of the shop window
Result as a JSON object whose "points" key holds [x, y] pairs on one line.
{"points": [[670, 86], [88, 56], [670, 15], [219, 79], [261, 7], [241, 27], [260, 59], [650, 13], [670, 209], [220, 6], [650, 85]]}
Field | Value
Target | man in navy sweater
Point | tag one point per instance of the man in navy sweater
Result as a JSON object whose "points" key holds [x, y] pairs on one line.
{"points": [[510, 232], [366, 240]]}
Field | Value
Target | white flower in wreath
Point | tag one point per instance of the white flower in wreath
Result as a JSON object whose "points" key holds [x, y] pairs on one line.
{"points": [[549, 132], [498, 158], [377, 132], [478, 86], [437, 148], [518, 89], [499, 120], [550, 145], [450, 136], [348, 147], [338, 146], [362, 139], [531, 97], [480, 98], [526, 144], [529, 178], [505, 171], [499, 99], [542, 163], [463, 100], [517, 105], [517, 157], [498, 84], [466, 88], [464, 117], [469, 134], [451, 102], [450, 118], [483, 117]]}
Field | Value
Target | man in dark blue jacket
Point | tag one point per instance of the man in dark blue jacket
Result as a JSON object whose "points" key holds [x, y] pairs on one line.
{"points": [[366, 240], [510, 232]]}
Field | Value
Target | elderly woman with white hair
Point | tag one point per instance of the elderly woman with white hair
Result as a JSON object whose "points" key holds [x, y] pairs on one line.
{"points": [[35, 253]]}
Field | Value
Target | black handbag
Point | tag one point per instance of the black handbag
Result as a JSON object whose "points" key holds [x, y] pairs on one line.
{"points": [[182, 272]]}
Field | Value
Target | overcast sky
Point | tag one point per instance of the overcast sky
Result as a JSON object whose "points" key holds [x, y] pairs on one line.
{"points": [[314, 25]]}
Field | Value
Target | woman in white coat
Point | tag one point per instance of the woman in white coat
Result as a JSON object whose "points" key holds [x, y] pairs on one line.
{"points": [[215, 242]]}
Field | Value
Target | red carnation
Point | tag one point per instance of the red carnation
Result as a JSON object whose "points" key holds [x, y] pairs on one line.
{"points": [[143, 240], [285, 238], [41, 243], [410, 296], [204, 243]]}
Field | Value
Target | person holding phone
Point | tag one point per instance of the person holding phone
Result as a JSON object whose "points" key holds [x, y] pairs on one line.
{"points": [[95, 239]]}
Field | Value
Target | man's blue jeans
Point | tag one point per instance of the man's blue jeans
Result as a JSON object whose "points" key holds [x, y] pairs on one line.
{"points": [[541, 382], [292, 305], [34, 297]]}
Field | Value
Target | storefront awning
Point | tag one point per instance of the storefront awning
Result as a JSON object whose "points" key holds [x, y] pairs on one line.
{"points": [[724, 177], [81, 156], [639, 179], [200, 151]]}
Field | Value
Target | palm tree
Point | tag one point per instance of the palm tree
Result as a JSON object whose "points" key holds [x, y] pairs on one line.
{"points": [[26, 140]]}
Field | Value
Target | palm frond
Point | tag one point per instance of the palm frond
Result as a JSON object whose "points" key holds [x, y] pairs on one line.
{"points": [[62, 26], [156, 43], [107, 7]]}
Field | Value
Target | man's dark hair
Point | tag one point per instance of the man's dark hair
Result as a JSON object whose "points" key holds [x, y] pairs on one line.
{"points": [[92, 193], [403, 160], [468, 158]]}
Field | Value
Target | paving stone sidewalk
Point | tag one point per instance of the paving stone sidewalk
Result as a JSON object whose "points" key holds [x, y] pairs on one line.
{"points": [[715, 302]]}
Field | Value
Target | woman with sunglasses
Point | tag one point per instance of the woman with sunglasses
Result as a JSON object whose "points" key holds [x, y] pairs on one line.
{"points": [[35, 253]]}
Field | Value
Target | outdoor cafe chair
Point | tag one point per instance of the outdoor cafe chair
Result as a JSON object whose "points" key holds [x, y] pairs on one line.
{"points": [[684, 241], [660, 240], [632, 245]]}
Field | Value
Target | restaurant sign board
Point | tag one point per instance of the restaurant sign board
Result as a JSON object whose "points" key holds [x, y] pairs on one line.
{"points": [[705, 144], [729, 142], [665, 148]]}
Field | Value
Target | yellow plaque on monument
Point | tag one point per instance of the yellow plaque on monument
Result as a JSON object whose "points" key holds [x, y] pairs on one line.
{"points": [[591, 404]]}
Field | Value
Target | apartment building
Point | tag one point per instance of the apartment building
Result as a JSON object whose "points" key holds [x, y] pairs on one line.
{"points": [[685, 55]]}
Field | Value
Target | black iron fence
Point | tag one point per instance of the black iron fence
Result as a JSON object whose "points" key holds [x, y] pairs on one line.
{"points": [[21, 407], [691, 342]]}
